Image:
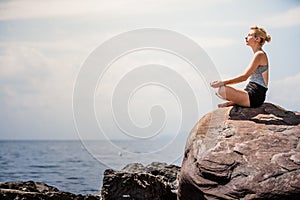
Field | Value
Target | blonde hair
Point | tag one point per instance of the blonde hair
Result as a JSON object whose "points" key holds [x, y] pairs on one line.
{"points": [[261, 32]]}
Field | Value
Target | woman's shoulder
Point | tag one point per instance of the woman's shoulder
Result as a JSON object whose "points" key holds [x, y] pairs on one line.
{"points": [[261, 56], [260, 53]]}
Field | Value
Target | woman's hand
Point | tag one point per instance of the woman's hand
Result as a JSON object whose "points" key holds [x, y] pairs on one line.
{"points": [[216, 84]]}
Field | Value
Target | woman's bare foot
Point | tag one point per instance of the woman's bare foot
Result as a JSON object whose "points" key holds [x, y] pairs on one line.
{"points": [[226, 104]]}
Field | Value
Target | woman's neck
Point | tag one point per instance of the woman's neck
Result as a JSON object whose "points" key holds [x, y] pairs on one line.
{"points": [[256, 48]]}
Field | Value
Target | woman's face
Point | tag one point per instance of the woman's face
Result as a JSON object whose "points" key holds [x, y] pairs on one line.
{"points": [[250, 38]]}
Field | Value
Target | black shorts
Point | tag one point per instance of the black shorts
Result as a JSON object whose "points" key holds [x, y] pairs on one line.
{"points": [[257, 94]]}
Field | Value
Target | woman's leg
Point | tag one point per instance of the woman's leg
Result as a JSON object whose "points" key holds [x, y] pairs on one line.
{"points": [[226, 104], [234, 96]]}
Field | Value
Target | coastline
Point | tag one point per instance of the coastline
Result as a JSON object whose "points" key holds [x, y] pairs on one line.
{"points": [[117, 184]]}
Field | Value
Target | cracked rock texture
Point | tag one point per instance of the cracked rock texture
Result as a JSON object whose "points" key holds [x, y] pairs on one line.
{"points": [[156, 181], [38, 191], [243, 153]]}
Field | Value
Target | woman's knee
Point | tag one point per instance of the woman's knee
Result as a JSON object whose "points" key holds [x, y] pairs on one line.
{"points": [[222, 92]]}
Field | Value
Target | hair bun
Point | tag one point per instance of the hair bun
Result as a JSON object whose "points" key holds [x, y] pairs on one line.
{"points": [[268, 38]]}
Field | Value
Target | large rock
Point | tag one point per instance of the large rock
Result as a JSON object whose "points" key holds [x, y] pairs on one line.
{"points": [[156, 181], [37, 190], [243, 153]]}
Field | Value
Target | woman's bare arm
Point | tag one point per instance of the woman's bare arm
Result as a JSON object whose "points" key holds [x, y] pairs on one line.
{"points": [[255, 62]]}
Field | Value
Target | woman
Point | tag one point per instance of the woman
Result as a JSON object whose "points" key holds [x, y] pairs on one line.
{"points": [[255, 92]]}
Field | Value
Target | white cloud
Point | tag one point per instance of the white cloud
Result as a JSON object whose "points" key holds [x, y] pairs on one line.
{"points": [[213, 42], [286, 92], [20, 9], [36, 94], [30, 79], [15, 60], [24, 9], [289, 18]]}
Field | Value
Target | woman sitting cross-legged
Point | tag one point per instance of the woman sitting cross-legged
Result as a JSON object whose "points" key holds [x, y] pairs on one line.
{"points": [[255, 92]]}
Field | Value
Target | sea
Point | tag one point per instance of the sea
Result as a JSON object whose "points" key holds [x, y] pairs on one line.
{"points": [[78, 166]]}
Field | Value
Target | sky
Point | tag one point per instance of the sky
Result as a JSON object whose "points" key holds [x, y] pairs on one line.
{"points": [[44, 46]]}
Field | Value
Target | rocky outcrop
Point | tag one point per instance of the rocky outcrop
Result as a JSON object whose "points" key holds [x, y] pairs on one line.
{"points": [[156, 181], [243, 153], [37, 190]]}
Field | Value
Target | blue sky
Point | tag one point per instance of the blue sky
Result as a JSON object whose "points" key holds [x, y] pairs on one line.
{"points": [[44, 43]]}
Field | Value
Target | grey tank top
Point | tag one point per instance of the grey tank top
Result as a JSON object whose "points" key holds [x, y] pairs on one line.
{"points": [[257, 77]]}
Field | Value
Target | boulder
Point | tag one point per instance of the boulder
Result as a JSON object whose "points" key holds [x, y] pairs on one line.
{"points": [[243, 153], [37, 190], [156, 181]]}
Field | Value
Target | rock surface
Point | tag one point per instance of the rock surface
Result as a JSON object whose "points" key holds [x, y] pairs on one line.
{"points": [[156, 181], [37, 190], [243, 153]]}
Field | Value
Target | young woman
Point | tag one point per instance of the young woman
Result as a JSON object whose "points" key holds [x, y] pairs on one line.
{"points": [[258, 69]]}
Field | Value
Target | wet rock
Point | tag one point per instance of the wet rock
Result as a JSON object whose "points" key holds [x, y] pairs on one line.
{"points": [[243, 153]]}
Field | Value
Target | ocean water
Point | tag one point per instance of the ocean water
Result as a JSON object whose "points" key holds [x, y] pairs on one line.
{"points": [[76, 166]]}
